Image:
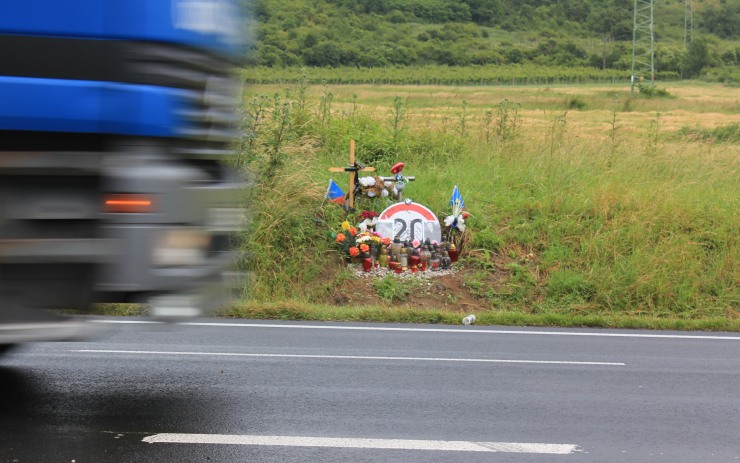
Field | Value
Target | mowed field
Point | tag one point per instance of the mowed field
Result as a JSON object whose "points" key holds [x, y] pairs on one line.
{"points": [[590, 108]]}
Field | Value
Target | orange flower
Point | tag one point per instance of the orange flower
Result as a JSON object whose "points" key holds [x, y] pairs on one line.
{"points": [[364, 247], [386, 240], [340, 237], [353, 231], [353, 251]]}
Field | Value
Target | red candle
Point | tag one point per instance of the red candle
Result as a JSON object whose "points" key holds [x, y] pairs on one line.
{"points": [[367, 264], [453, 253]]}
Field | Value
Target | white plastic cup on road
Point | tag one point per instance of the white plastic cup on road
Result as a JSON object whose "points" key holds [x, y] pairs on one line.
{"points": [[469, 320]]}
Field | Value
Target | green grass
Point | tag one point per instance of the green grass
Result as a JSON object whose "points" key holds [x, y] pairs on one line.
{"points": [[392, 289], [723, 134], [594, 214], [326, 313], [313, 312]]}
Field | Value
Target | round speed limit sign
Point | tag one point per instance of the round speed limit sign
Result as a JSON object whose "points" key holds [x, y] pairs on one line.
{"points": [[409, 221]]}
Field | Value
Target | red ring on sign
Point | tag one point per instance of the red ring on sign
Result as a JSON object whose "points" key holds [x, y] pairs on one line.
{"points": [[415, 207]]}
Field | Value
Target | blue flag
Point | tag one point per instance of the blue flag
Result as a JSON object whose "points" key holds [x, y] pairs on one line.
{"points": [[457, 202], [334, 193]]}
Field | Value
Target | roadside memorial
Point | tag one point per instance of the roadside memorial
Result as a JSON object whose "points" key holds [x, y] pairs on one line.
{"points": [[406, 237]]}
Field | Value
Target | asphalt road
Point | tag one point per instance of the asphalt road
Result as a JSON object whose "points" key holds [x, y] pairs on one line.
{"points": [[223, 391]]}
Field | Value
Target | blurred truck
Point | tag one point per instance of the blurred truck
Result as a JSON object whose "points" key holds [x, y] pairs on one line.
{"points": [[115, 119]]}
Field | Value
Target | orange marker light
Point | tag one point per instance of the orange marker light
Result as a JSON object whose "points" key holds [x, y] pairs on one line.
{"points": [[129, 204]]}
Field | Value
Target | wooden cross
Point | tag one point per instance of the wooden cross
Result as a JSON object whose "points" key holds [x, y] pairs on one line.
{"points": [[352, 168]]}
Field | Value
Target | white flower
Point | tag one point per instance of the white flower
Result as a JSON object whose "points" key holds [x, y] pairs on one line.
{"points": [[371, 193], [384, 193], [459, 224], [387, 183], [367, 181]]}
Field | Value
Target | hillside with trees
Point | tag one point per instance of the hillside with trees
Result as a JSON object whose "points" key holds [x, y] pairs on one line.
{"points": [[583, 33]]}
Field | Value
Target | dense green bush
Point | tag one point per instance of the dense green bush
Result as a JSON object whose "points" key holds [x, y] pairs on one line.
{"points": [[374, 33]]}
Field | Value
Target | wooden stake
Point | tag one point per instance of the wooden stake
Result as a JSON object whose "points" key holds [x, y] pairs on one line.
{"points": [[352, 168], [352, 174]]}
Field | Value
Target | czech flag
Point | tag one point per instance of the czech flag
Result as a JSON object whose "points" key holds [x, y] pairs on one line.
{"points": [[334, 193]]}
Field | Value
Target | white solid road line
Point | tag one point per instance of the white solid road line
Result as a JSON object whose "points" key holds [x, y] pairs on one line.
{"points": [[384, 444], [470, 330], [344, 357]]}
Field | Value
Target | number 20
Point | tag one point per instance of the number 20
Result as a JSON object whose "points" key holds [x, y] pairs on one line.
{"points": [[404, 226]]}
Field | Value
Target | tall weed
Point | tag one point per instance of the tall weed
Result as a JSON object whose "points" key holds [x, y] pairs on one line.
{"points": [[607, 228]]}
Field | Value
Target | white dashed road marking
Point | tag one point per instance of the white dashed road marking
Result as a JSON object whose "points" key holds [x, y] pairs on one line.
{"points": [[353, 443]]}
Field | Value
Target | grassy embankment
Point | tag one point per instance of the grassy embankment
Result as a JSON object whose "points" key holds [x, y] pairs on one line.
{"points": [[591, 206]]}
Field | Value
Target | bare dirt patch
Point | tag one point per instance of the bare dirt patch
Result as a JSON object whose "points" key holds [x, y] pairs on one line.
{"points": [[468, 286], [425, 292]]}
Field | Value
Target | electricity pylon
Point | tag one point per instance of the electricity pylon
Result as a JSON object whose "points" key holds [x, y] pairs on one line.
{"points": [[688, 24], [643, 53]]}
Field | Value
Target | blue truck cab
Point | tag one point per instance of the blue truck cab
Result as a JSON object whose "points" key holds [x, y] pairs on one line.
{"points": [[116, 117]]}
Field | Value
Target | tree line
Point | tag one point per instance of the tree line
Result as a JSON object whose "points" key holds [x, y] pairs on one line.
{"points": [[591, 33]]}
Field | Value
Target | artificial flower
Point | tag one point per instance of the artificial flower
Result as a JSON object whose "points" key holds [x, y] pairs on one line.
{"points": [[415, 243], [456, 221], [353, 251], [345, 225], [364, 247], [352, 231], [340, 237], [367, 181], [386, 240]]}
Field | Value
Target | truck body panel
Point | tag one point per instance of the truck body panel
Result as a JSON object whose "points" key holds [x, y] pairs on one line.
{"points": [[117, 116]]}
